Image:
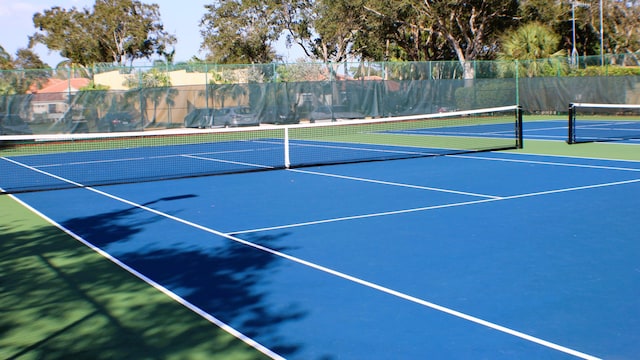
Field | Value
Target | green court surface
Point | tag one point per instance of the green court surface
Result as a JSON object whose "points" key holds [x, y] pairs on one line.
{"points": [[59, 299], [610, 150]]}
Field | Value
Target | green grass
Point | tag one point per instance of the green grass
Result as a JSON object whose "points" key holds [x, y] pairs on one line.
{"points": [[59, 299]]}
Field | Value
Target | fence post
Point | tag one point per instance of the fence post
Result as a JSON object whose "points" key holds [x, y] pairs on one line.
{"points": [[69, 74], [206, 86], [517, 82]]}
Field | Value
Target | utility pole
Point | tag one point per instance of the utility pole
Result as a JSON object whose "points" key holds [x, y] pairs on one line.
{"points": [[574, 51], [601, 33]]}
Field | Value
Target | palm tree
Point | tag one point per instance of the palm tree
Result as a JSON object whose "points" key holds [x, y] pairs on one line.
{"points": [[535, 47]]}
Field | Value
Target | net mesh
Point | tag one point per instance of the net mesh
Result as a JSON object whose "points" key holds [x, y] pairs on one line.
{"points": [[603, 122], [56, 161]]}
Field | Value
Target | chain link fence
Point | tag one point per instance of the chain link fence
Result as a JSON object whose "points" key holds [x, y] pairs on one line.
{"points": [[107, 98]]}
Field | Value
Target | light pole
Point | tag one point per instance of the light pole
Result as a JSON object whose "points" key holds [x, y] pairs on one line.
{"points": [[601, 34], [574, 51]]}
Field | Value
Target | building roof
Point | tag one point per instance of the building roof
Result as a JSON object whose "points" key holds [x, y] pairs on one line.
{"points": [[60, 85], [58, 89]]}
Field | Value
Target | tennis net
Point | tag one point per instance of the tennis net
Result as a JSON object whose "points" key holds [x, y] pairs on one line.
{"points": [[603, 122], [58, 161]]}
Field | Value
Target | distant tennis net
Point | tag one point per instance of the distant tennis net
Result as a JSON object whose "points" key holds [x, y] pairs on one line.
{"points": [[603, 122], [58, 161]]}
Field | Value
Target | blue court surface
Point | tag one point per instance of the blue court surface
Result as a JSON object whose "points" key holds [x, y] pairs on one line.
{"points": [[484, 256]]}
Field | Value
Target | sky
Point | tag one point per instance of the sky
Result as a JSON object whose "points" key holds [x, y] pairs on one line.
{"points": [[180, 17]]}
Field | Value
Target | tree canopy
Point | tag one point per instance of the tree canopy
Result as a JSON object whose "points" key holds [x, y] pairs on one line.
{"points": [[530, 42], [247, 31], [239, 32], [452, 29], [114, 31], [414, 30], [28, 69]]}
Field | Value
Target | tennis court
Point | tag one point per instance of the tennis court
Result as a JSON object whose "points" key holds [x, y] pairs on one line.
{"points": [[499, 255]]}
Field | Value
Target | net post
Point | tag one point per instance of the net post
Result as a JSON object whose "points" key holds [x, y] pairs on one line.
{"points": [[571, 124], [519, 132], [287, 160]]}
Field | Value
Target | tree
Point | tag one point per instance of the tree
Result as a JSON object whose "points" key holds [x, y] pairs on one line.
{"points": [[27, 59], [28, 70], [403, 33], [6, 62], [557, 16], [622, 28], [239, 32], [470, 28], [113, 31], [325, 30], [536, 47], [621, 23], [446, 29], [333, 31], [548, 13]]}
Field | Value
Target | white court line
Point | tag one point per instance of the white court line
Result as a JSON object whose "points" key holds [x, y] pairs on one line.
{"points": [[390, 147], [395, 184], [229, 162], [547, 128], [445, 133], [427, 208], [545, 137], [318, 267], [365, 147], [583, 125], [363, 216], [537, 162], [152, 157], [247, 340]]}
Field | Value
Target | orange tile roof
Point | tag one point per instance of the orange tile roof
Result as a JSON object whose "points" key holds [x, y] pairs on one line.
{"points": [[59, 85]]}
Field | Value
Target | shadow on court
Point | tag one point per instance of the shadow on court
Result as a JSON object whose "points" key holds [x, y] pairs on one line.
{"points": [[223, 279], [59, 299]]}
